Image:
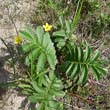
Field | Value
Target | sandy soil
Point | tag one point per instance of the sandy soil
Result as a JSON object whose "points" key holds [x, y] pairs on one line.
{"points": [[14, 15]]}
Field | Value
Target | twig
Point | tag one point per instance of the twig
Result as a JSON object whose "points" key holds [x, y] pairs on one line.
{"points": [[14, 70], [85, 99], [11, 19], [96, 82]]}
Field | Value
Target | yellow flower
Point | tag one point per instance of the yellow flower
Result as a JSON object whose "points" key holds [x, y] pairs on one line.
{"points": [[18, 40], [47, 27]]}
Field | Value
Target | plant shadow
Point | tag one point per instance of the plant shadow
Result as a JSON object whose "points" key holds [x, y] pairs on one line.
{"points": [[4, 75]]}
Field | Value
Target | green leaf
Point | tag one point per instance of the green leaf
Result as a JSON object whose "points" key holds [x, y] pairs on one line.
{"points": [[75, 71], [60, 42], [51, 75], [48, 79], [76, 53], [96, 73], [25, 35], [43, 46], [52, 105], [40, 33], [69, 68], [84, 75], [46, 41], [27, 91], [60, 39], [45, 94], [59, 33], [95, 57], [56, 85], [24, 86], [62, 22], [51, 60], [68, 26], [80, 53], [77, 14], [57, 93], [28, 34], [33, 55], [37, 88], [41, 62], [35, 98], [76, 60], [103, 71], [27, 47], [87, 53]]}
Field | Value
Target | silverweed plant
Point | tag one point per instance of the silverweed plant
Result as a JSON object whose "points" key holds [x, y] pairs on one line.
{"points": [[57, 62], [50, 66]]}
